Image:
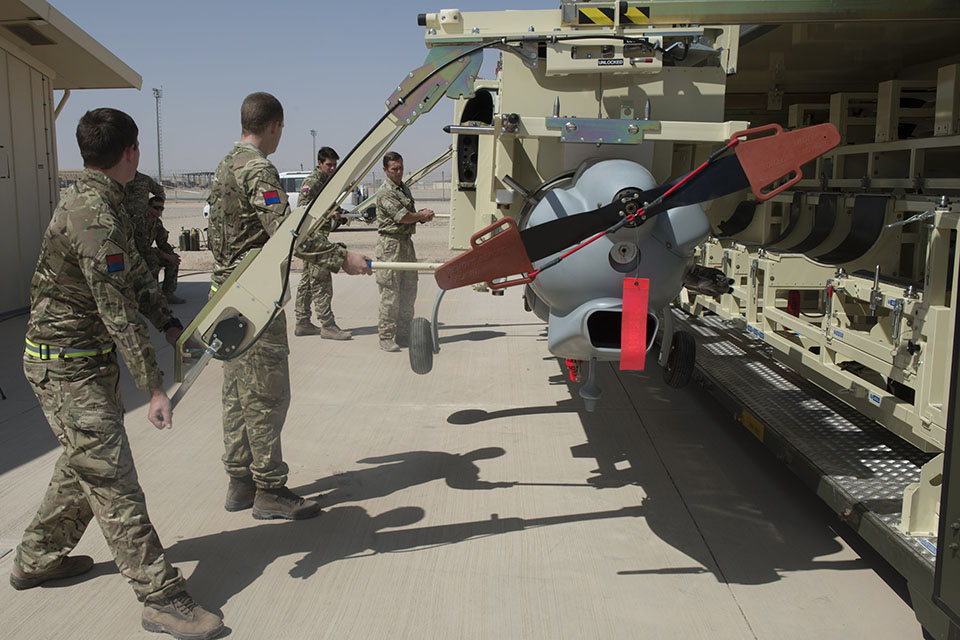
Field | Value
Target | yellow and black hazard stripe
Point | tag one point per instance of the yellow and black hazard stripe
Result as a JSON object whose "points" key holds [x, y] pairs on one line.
{"points": [[597, 15]]}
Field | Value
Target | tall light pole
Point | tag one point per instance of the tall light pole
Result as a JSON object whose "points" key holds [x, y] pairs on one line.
{"points": [[158, 93], [313, 158]]}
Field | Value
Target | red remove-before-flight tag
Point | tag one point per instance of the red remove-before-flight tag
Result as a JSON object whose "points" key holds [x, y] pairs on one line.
{"points": [[633, 324]]}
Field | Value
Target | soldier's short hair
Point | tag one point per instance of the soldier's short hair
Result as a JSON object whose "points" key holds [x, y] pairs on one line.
{"points": [[391, 156], [326, 153], [154, 199], [103, 135], [258, 111]]}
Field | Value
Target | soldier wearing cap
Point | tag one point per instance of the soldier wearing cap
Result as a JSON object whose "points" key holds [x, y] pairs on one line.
{"points": [[89, 286], [247, 204], [316, 283], [397, 219], [137, 193], [153, 241]]}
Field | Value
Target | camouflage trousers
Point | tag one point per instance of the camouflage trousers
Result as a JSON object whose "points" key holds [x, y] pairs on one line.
{"points": [[93, 477], [256, 396], [316, 285], [170, 272], [398, 289]]}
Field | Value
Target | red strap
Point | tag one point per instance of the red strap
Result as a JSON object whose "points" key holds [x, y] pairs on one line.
{"points": [[633, 324]]}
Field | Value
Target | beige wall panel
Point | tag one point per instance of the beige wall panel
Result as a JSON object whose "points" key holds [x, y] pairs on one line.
{"points": [[36, 221], [25, 177], [28, 175], [11, 285]]}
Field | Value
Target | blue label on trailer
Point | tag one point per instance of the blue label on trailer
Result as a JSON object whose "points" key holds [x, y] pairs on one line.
{"points": [[929, 546], [755, 331], [874, 398], [891, 302], [838, 333]]}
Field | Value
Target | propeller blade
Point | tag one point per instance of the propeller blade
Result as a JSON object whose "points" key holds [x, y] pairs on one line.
{"points": [[723, 177], [767, 164]]}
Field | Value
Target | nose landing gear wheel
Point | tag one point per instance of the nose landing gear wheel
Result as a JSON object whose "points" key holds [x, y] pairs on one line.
{"points": [[683, 354], [421, 346]]}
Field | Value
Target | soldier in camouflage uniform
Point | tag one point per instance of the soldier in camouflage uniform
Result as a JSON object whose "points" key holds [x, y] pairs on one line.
{"points": [[89, 286], [316, 283], [396, 223], [137, 193], [152, 240], [247, 204]]}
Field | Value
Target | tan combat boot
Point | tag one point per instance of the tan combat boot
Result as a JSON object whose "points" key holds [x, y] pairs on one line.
{"points": [[387, 344], [333, 332], [180, 616], [283, 503], [307, 329], [69, 567], [240, 494]]}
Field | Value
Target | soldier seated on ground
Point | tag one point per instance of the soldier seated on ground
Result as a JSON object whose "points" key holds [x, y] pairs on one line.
{"points": [[152, 239]]}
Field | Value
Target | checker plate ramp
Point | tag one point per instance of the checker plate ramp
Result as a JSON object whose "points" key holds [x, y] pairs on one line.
{"points": [[847, 450]]}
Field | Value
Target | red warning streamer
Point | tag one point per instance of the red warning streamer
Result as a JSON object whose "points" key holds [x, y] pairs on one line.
{"points": [[633, 324]]}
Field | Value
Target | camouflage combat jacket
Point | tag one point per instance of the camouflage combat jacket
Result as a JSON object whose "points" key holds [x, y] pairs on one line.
{"points": [[150, 235], [137, 193], [393, 202], [309, 191], [90, 281], [311, 187], [247, 204]]}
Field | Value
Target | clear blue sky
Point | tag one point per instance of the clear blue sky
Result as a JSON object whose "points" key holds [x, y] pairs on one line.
{"points": [[332, 65]]}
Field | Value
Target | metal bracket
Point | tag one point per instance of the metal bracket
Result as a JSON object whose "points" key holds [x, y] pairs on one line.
{"points": [[896, 318], [527, 51], [194, 372], [828, 292], [456, 81], [602, 130], [876, 296]]}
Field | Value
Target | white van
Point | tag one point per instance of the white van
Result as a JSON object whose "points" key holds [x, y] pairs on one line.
{"points": [[291, 181]]}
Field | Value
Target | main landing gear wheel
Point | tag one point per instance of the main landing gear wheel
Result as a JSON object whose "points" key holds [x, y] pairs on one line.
{"points": [[421, 346], [680, 362]]}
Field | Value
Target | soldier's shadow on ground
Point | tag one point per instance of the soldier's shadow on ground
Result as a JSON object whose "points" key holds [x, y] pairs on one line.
{"points": [[230, 561], [361, 331], [399, 471]]}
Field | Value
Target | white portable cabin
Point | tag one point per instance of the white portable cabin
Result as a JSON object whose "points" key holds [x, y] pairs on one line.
{"points": [[40, 50]]}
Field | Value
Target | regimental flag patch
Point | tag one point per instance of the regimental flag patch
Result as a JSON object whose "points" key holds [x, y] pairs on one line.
{"points": [[271, 197], [115, 262], [304, 190]]}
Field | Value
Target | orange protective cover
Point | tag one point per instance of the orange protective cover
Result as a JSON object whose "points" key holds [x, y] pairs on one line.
{"points": [[502, 255], [770, 158]]}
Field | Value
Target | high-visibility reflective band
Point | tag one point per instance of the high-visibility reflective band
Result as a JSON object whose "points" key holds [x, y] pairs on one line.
{"points": [[49, 352], [213, 287]]}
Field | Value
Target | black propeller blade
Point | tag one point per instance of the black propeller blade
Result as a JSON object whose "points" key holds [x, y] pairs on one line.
{"points": [[722, 177]]}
